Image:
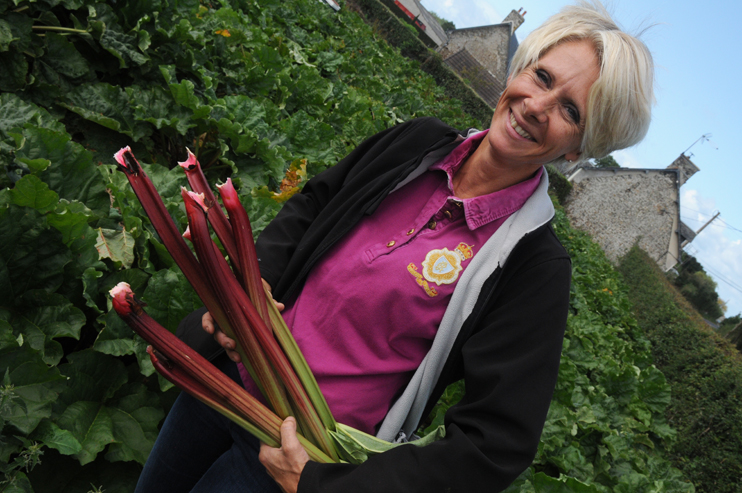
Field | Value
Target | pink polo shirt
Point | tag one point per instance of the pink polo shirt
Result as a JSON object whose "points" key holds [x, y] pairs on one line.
{"points": [[370, 308]]}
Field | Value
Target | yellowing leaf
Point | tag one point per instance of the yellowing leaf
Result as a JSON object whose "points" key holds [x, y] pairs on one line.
{"points": [[223, 32], [296, 173]]}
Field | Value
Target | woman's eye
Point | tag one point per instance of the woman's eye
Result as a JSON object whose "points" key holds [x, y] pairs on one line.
{"points": [[573, 113], [543, 76]]}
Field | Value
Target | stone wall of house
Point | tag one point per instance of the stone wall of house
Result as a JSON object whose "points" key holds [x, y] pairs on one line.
{"points": [[488, 44], [619, 209]]}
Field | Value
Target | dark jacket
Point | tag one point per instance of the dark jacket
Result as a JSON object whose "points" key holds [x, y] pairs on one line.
{"points": [[507, 349]]}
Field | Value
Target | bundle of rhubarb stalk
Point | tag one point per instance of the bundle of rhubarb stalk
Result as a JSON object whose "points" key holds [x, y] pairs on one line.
{"points": [[233, 292]]}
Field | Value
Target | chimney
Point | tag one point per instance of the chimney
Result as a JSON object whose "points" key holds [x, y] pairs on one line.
{"points": [[515, 18]]}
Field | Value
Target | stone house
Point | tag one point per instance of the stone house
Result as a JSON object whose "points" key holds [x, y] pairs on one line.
{"points": [[479, 55], [623, 206]]}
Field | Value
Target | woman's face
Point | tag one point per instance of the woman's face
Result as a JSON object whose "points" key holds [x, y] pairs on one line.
{"points": [[541, 114]]}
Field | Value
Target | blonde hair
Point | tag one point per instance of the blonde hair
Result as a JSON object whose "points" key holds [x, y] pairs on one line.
{"points": [[619, 106]]}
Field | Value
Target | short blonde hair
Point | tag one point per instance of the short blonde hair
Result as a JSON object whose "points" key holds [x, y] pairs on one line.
{"points": [[619, 106]]}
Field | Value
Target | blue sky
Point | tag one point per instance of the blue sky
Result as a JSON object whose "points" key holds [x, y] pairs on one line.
{"points": [[699, 91]]}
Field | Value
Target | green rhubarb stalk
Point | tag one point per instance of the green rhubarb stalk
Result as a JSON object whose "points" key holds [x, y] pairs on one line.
{"points": [[199, 184], [183, 380], [171, 237], [248, 257], [299, 363], [215, 269], [253, 330]]}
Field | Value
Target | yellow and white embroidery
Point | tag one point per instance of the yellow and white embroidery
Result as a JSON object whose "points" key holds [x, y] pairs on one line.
{"points": [[443, 266]]}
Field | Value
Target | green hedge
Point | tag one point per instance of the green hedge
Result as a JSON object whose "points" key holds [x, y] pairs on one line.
{"points": [[397, 33], [704, 371]]}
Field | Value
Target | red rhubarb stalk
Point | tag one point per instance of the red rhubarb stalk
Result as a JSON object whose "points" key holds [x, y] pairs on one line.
{"points": [[170, 235], [195, 372], [215, 268], [222, 228], [251, 331], [183, 380], [242, 231]]}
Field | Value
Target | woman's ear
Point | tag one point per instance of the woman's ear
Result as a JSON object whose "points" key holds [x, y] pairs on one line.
{"points": [[572, 156]]}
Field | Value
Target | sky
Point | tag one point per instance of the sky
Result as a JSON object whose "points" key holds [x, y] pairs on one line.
{"points": [[698, 89]]}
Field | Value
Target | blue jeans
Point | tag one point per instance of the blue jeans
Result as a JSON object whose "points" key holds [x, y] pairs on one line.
{"points": [[201, 451]]}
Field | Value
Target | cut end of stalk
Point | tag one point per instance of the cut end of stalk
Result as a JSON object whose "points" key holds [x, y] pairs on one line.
{"points": [[126, 160], [123, 300], [191, 163], [228, 193], [198, 198]]}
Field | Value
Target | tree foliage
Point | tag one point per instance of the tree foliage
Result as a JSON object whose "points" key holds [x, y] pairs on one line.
{"points": [[698, 287], [605, 162], [445, 23]]}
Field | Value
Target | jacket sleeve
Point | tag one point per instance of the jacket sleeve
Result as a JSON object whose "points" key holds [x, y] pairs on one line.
{"points": [[510, 365]]}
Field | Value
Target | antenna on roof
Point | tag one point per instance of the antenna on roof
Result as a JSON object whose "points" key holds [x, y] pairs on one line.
{"points": [[704, 137]]}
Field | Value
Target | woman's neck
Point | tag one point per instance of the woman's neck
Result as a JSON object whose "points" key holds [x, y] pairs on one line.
{"points": [[480, 174]]}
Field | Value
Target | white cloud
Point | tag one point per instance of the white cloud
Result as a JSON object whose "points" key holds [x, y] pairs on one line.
{"points": [[717, 248]]}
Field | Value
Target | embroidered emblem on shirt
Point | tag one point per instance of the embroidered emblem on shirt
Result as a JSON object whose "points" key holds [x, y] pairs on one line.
{"points": [[412, 269], [443, 266]]}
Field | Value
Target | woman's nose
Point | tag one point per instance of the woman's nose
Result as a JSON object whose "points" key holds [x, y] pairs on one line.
{"points": [[537, 107]]}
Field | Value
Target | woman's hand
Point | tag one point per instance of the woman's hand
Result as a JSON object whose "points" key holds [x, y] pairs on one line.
{"points": [[285, 464], [208, 324]]}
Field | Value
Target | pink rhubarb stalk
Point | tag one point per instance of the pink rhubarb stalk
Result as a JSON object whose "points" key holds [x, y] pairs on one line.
{"points": [[198, 183], [242, 232], [170, 235], [195, 373], [253, 333], [215, 268]]}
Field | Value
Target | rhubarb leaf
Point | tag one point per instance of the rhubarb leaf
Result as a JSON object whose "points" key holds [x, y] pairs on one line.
{"points": [[108, 106], [170, 297], [34, 389], [32, 256], [156, 106], [90, 423], [42, 317], [55, 437], [115, 245], [62, 56], [73, 175], [30, 191], [124, 47], [135, 414], [15, 113]]}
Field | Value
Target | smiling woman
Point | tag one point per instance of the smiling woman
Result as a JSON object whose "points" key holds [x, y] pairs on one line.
{"points": [[423, 257]]}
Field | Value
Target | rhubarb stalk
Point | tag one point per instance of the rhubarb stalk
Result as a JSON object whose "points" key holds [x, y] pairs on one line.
{"points": [[242, 232], [222, 228], [197, 375]]}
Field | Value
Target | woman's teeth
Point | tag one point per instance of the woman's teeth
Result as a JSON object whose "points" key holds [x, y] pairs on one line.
{"points": [[517, 128]]}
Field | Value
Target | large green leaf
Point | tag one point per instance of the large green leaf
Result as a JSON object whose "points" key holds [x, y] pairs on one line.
{"points": [[15, 113], [33, 388], [124, 47], [115, 245], [31, 192], [32, 256], [55, 437], [73, 174], [170, 298], [108, 106], [42, 317], [62, 56]]}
